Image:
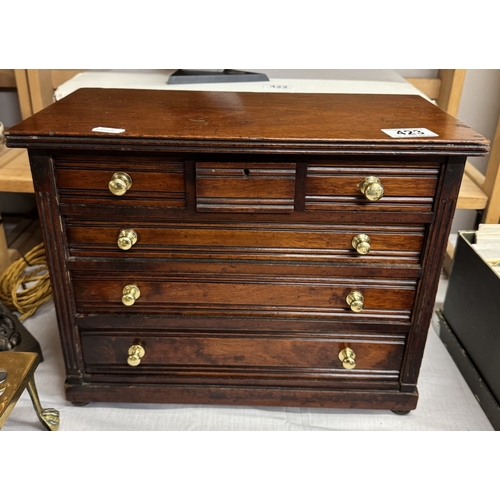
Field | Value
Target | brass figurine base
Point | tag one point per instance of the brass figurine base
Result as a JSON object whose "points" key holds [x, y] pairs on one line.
{"points": [[17, 370]]}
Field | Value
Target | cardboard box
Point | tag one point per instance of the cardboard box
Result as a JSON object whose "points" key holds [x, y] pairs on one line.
{"points": [[469, 324]]}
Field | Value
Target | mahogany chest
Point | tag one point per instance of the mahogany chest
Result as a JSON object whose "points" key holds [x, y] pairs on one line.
{"points": [[245, 248]]}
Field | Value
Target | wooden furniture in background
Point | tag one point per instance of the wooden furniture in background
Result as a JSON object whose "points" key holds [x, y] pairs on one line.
{"points": [[475, 191], [35, 90], [445, 89], [490, 183], [201, 265], [480, 192], [36, 87]]}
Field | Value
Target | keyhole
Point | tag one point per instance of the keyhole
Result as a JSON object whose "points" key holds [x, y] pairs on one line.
{"points": [[246, 171]]}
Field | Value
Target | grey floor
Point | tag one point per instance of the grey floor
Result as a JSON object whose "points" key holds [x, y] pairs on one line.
{"points": [[445, 404]]}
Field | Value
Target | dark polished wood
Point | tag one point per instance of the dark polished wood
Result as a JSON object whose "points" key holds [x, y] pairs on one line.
{"points": [[244, 207], [260, 121]]}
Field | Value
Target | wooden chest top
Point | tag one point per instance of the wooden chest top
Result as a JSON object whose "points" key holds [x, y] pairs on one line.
{"points": [[325, 122]]}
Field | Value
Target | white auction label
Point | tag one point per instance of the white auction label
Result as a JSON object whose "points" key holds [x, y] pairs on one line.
{"points": [[277, 86], [409, 132], [108, 130]]}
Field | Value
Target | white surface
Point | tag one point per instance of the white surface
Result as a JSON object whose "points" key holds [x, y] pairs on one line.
{"points": [[445, 404], [314, 81]]}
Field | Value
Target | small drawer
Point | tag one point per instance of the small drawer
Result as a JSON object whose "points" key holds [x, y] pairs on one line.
{"points": [[144, 182], [139, 353], [341, 188], [245, 187]]}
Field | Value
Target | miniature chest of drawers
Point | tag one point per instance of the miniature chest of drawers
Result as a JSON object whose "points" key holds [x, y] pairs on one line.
{"points": [[245, 248]]}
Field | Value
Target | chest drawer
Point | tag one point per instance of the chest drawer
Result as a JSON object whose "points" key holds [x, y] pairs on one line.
{"points": [[223, 241], [245, 187], [127, 182], [358, 299], [217, 354], [373, 188]]}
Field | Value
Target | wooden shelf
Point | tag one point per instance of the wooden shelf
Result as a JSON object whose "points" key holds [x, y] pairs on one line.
{"points": [[445, 90], [481, 192], [471, 196], [15, 173]]}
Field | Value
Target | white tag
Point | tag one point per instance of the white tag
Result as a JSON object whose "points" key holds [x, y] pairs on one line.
{"points": [[277, 86], [399, 133], [108, 130]]}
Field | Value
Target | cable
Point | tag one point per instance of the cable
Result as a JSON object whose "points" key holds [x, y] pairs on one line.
{"points": [[25, 284]]}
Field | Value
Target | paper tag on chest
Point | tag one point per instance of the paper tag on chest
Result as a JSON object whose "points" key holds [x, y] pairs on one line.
{"points": [[108, 130], [409, 132]]}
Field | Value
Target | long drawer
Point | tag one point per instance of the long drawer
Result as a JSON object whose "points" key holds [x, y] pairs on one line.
{"points": [[187, 240], [201, 353], [358, 299]]}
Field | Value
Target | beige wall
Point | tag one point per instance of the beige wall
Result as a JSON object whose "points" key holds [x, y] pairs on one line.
{"points": [[10, 113]]}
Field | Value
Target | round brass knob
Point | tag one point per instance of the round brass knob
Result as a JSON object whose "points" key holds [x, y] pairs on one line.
{"points": [[361, 243], [355, 301], [135, 355], [126, 239], [372, 188], [348, 358], [120, 183], [130, 294]]}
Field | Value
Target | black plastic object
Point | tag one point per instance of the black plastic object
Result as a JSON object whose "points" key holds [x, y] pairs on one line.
{"points": [[470, 326], [182, 76]]}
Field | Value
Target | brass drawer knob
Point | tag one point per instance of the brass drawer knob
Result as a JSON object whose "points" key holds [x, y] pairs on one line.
{"points": [[120, 183], [372, 188], [135, 355], [361, 243], [130, 294], [127, 239], [348, 358], [355, 301]]}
